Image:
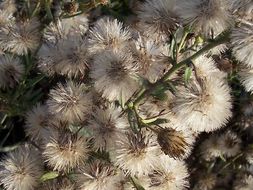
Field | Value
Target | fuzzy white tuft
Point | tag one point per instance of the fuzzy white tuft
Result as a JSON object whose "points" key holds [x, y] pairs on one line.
{"points": [[21, 169], [242, 41], [69, 102], [208, 17], [203, 105], [108, 34], [115, 75]]}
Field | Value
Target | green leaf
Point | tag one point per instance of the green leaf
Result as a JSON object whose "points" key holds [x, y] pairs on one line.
{"points": [[159, 92], [187, 74], [147, 121], [159, 121], [48, 176], [133, 121], [136, 184], [32, 82]]}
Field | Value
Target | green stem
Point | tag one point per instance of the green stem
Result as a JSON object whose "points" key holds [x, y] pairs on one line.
{"points": [[48, 10], [137, 186], [35, 9]]}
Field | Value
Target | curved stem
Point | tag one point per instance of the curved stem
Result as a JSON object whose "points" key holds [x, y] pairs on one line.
{"points": [[222, 38]]}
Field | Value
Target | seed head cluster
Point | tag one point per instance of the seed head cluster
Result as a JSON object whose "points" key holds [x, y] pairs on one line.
{"points": [[138, 94]]}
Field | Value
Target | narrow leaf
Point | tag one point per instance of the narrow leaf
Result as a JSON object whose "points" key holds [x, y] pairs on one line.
{"points": [[187, 74], [48, 176]]}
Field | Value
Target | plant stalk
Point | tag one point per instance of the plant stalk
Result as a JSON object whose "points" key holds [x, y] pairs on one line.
{"points": [[222, 38]]}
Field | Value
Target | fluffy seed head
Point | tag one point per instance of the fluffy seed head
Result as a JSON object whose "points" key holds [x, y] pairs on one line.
{"points": [[168, 174], [21, 169], [158, 18], [152, 58], [69, 102], [136, 153], [68, 57], [11, 71], [207, 17], [243, 9], [20, 37], [62, 29], [203, 105], [36, 121], [100, 176], [242, 41], [206, 66], [205, 181], [115, 75], [6, 18], [64, 151], [9, 6], [246, 183], [106, 126], [210, 148], [108, 34], [230, 144], [227, 144]]}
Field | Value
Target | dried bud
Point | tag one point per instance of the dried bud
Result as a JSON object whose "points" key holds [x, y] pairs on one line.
{"points": [[172, 142], [70, 7]]}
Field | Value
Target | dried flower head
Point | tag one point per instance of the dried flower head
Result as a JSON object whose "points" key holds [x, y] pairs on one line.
{"points": [[108, 34], [106, 126], [210, 148], [9, 6], [152, 58], [6, 18], [115, 75], [136, 154], [242, 41], [64, 151], [206, 66], [100, 176], [11, 71], [21, 169], [206, 181], [36, 122], [158, 18], [20, 37], [173, 143], [68, 57], [204, 104], [230, 144], [207, 17], [69, 102], [168, 174], [62, 29]]}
